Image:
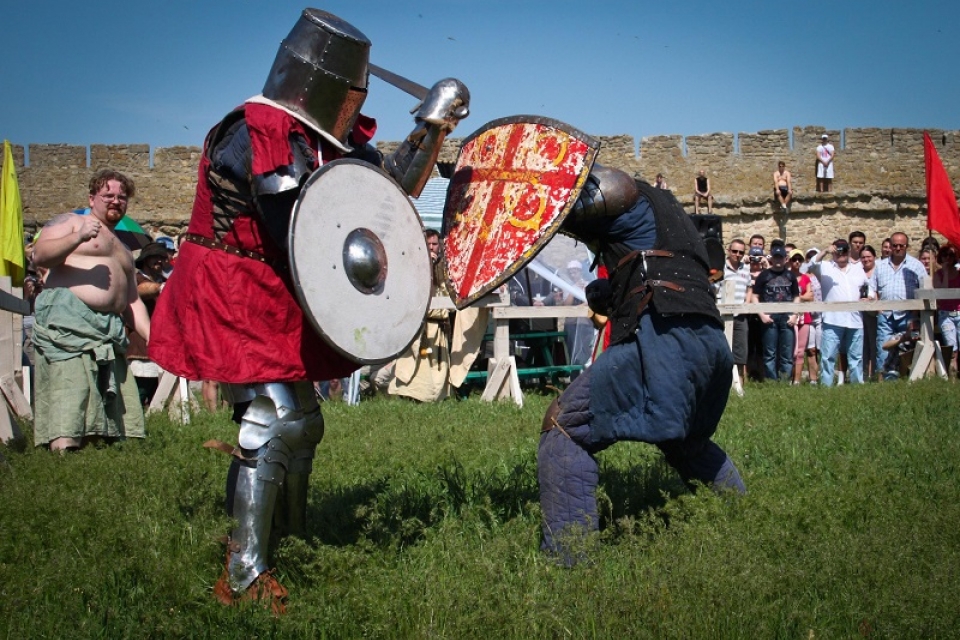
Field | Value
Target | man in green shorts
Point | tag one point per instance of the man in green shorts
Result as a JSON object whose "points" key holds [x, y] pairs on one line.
{"points": [[83, 390]]}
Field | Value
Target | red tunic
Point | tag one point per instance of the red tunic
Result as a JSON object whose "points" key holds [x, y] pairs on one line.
{"points": [[235, 319]]}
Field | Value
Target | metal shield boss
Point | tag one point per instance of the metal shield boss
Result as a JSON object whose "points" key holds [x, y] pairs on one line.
{"points": [[359, 261], [515, 181]]}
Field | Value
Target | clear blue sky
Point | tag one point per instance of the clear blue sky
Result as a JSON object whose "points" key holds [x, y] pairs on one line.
{"points": [[163, 73]]}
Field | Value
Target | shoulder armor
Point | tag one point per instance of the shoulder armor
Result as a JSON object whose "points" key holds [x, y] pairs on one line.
{"points": [[291, 176], [229, 147]]}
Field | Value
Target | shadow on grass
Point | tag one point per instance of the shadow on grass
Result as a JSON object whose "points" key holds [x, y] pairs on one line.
{"points": [[633, 491], [397, 511], [336, 517]]}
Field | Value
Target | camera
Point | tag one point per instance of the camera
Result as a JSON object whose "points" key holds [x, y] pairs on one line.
{"points": [[756, 258], [864, 290]]}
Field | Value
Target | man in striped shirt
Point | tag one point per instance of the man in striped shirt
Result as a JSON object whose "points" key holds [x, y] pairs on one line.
{"points": [[895, 278], [737, 271]]}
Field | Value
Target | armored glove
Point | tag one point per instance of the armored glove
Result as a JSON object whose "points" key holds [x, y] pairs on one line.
{"points": [[446, 104]]}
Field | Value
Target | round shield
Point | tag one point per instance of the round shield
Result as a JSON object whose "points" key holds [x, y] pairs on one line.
{"points": [[359, 261]]}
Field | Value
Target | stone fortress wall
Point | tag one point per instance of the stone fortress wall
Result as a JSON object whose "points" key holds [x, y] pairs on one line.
{"points": [[878, 189]]}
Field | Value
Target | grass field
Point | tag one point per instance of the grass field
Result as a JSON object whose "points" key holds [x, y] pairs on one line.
{"points": [[424, 522]]}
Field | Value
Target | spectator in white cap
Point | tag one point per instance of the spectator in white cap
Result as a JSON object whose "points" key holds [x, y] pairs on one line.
{"points": [[808, 259], [578, 332], [842, 281], [825, 155]]}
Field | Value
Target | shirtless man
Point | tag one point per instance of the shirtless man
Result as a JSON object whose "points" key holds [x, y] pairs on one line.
{"points": [[783, 186], [90, 295]]}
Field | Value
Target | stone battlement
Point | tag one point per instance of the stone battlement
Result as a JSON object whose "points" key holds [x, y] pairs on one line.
{"points": [[879, 185]]}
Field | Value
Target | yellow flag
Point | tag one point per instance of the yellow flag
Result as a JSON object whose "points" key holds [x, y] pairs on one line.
{"points": [[12, 262]]}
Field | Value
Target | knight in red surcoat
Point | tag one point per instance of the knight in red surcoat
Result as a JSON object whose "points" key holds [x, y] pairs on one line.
{"points": [[229, 312]]}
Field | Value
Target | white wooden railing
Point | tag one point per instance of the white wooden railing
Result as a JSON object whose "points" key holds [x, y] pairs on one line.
{"points": [[502, 379]]}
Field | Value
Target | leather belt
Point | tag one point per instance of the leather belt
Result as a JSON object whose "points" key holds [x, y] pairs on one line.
{"points": [[211, 243], [647, 289], [666, 285], [656, 253]]}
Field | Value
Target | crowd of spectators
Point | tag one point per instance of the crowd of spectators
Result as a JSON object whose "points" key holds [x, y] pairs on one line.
{"points": [[836, 346]]}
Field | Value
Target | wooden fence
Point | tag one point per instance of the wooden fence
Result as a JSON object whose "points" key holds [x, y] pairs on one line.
{"points": [[503, 383], [12, 309], [502, 379]]}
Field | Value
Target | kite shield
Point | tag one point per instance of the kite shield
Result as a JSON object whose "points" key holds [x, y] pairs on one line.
{"points": [[515, 181], [359, 261]]}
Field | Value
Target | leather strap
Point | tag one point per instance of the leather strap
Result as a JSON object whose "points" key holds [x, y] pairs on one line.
{"points": [[211, 243], [555, 425], [656, 253], [223, 447], [673, 286], [648, 287]]}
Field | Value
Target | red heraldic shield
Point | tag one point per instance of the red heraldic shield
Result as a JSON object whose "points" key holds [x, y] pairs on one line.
{"points": [[515, 181]]}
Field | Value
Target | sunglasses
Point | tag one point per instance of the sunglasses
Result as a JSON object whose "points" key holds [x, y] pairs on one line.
{"points": [[899, 246], [736, 252]]}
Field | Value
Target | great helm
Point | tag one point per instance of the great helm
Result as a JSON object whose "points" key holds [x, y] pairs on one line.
{"points": [[320, 74]]}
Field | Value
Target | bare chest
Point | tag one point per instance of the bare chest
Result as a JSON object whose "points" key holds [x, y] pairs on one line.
{"points": [[105, 245]]}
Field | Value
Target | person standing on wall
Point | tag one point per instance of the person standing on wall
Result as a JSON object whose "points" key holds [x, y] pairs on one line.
{"points": [[825, 156]]}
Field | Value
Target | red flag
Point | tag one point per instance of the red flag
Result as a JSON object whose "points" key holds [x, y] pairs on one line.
{"points": [[942, 213]]}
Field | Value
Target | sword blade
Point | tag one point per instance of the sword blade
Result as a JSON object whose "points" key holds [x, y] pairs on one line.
{"points": [[418, 91]]}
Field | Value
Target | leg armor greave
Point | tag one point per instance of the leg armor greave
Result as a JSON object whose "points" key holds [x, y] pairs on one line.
{"points": [[279, 433]]}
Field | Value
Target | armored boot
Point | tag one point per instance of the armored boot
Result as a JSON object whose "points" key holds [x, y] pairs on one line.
{"points": [[279, 433]]}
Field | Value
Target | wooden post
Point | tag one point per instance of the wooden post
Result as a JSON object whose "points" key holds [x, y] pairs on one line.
{"points": [[929, 348], [503, 381], [186, 404], [177, 391], [10, 345], [730, 293], [165, 387], [502, 378]]}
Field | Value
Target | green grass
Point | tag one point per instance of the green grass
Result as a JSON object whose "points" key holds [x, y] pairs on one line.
{"points": [[424, 522]]}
